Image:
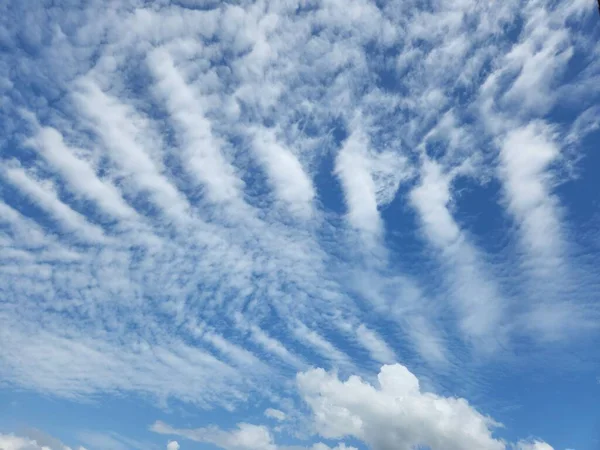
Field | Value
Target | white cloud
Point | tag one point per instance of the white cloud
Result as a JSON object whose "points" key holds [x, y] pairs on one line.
{"points": [[102, 367], [244, 437], [321, 446], [587, 122], [25, 232], [10, 442], [537, 60], [275, 414], [274, 346], [321, 346], [112, 441], [432, 199], [200, 148], [396, 414], [138, 231], [268, 343], [103, 441], [377, 347], [287, 175], [534, 445], [173, 445], [13, 442], [46, 197], [526, 156], [352, 166], [370, 178], [388, 169], [79, 174], [238, 355], [130, 146], [475, 293]]}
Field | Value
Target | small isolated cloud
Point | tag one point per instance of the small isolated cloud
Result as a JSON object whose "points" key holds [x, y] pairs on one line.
{"points": [[533, 445], [275, 414], [173, 445]]}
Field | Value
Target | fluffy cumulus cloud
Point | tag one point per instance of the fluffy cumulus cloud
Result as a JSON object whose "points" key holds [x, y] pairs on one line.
{"points": [[395, 414], [200, 199], [173, 445]]}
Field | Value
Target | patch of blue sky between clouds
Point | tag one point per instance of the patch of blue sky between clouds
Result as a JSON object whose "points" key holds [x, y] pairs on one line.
{"points": [[316, 224]]}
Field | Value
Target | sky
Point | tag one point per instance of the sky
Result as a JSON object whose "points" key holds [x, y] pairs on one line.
{"points": [[299, 225]]}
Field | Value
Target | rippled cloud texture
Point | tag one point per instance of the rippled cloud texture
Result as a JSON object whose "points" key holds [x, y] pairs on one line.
{"points": [[303, 205]]}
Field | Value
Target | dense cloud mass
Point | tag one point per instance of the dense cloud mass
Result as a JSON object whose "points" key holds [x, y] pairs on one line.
{"points": [[200, 201], [395, 416]]}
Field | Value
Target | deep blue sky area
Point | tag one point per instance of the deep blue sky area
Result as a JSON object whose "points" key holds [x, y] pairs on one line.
{"points": [[299, 225]]}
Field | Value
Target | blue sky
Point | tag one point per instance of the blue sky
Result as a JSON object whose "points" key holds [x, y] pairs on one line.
{"points": [[299, 224]]}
